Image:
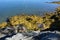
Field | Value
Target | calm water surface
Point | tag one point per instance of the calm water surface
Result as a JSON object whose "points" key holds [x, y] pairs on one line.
{"points": [[14, 7]]}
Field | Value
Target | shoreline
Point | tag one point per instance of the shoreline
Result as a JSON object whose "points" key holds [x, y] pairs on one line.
{"points": [[24, 23], [55, 2]]}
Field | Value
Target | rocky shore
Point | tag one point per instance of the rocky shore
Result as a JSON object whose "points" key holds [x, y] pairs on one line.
{"points": [[30, 23], [55, 2]]}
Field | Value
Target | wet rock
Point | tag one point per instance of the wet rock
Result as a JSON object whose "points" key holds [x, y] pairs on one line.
{"points": [[47, 36], [7, 30]]}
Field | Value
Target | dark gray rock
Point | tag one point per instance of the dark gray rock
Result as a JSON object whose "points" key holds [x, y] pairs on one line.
{"points": [[48, 36]]}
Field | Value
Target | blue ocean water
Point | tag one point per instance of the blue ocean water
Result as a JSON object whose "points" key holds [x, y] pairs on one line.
{"points": [[15, 7]]}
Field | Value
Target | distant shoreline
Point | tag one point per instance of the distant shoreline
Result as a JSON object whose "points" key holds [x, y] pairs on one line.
{"points": [[55, 2]]}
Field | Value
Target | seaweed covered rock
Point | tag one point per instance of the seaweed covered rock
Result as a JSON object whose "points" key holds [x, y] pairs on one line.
{"points": [[29, 21], [58, 10], [3, 25]]}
